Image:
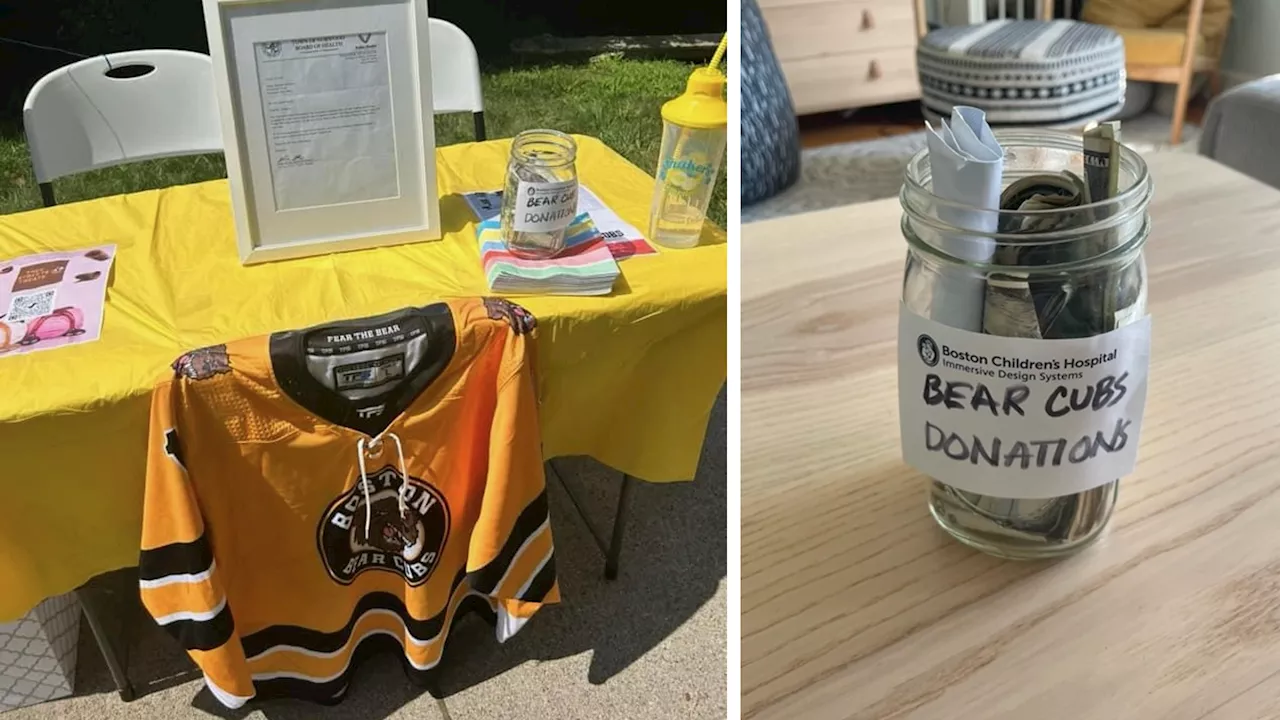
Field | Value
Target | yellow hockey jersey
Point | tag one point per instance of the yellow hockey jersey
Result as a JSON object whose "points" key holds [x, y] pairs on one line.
{"points": [[310, 490]]}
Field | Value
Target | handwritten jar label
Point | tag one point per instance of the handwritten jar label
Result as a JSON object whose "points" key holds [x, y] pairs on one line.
{"points": [[1020, 417], [545, 206]]}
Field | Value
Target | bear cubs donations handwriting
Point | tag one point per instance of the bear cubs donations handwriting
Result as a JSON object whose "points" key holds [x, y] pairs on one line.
{"points": [[1020, 417], [622, 238], [53, 300]]}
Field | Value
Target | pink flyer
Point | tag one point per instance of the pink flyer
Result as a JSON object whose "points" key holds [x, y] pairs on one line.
{"points": [[53, 300]]}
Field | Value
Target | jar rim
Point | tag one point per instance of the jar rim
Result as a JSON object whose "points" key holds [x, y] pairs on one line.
{"points": [[921, 211], [1039, 138], [564, 142]]}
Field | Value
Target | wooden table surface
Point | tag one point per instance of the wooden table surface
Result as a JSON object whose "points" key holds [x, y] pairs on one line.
{"points": [[855, 605]]}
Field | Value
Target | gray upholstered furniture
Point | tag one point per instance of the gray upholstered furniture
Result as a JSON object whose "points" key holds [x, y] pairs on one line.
{"points": [[1047, 73], [770, 135], [1242, 129]]}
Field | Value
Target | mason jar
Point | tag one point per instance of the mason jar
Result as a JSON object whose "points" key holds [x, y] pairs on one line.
{"points": [[1089, 257], [540, 197]]}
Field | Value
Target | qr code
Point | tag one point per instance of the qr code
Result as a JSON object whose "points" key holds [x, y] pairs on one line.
{"points": [[34, 305]]}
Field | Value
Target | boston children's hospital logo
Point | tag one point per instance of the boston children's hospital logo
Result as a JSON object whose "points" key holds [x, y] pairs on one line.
{"points": [[928, 350], [407, 544]]}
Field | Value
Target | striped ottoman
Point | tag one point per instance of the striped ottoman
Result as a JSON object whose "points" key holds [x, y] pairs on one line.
{"points": [[1047, 73]]}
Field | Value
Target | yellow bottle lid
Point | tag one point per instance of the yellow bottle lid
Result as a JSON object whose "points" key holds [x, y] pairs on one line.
{"points": [[702, 105]]}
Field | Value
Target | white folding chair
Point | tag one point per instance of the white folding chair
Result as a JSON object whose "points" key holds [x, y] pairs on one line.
{"points": [[120, 108], [111, 110], [455, 73]]}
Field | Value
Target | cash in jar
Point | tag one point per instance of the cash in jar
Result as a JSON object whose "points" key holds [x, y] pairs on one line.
{"points": [[694, 128]]}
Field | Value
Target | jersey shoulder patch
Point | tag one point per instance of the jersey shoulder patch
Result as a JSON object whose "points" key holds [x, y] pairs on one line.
{"points": [[203, 363], [521, 321]]}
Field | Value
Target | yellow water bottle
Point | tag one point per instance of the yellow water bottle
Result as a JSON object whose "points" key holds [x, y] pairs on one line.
{"points": [[694, 132]]}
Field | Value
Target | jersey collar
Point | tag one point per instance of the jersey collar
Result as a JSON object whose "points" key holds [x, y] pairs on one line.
{"points": [[371, 415]]}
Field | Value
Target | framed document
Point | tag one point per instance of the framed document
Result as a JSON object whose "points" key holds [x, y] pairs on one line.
{"points": [[327, 122]]}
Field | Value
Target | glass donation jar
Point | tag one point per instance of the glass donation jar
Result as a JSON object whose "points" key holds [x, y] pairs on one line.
{"points": [[1059, 277], [540, 197]]}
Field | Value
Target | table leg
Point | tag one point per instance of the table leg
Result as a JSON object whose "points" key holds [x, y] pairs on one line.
{"points": [[611, 550], [619, 524], [115, 662]]}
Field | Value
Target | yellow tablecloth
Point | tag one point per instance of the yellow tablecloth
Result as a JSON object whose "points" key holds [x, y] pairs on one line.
{"points": [[628, 379]]}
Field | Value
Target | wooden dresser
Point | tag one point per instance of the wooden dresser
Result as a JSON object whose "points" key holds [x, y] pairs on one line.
{"points": [[839, 54]]}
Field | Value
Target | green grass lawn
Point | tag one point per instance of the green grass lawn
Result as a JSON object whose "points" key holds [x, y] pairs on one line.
{"points": [[618, 101]]}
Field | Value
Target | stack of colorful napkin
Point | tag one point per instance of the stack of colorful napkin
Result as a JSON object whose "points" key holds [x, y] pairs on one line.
{"points": [[586, 267]]}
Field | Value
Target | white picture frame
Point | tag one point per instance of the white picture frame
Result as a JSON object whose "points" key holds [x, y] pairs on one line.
{"points": [[327, 123]]}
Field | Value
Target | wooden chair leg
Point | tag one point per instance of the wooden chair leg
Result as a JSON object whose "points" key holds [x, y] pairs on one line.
{"points": [[1180, 108]]}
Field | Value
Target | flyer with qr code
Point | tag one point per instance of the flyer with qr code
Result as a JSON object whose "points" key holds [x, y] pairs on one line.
{"points": [[53, 300]]}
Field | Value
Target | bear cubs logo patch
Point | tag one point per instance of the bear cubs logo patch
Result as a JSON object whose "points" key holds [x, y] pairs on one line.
{"points": [[407, 544], [203, 363], [520, 320]]}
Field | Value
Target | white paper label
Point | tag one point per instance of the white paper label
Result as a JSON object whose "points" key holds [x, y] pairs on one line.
{"points": [[1019, 417], [545, 206]]}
